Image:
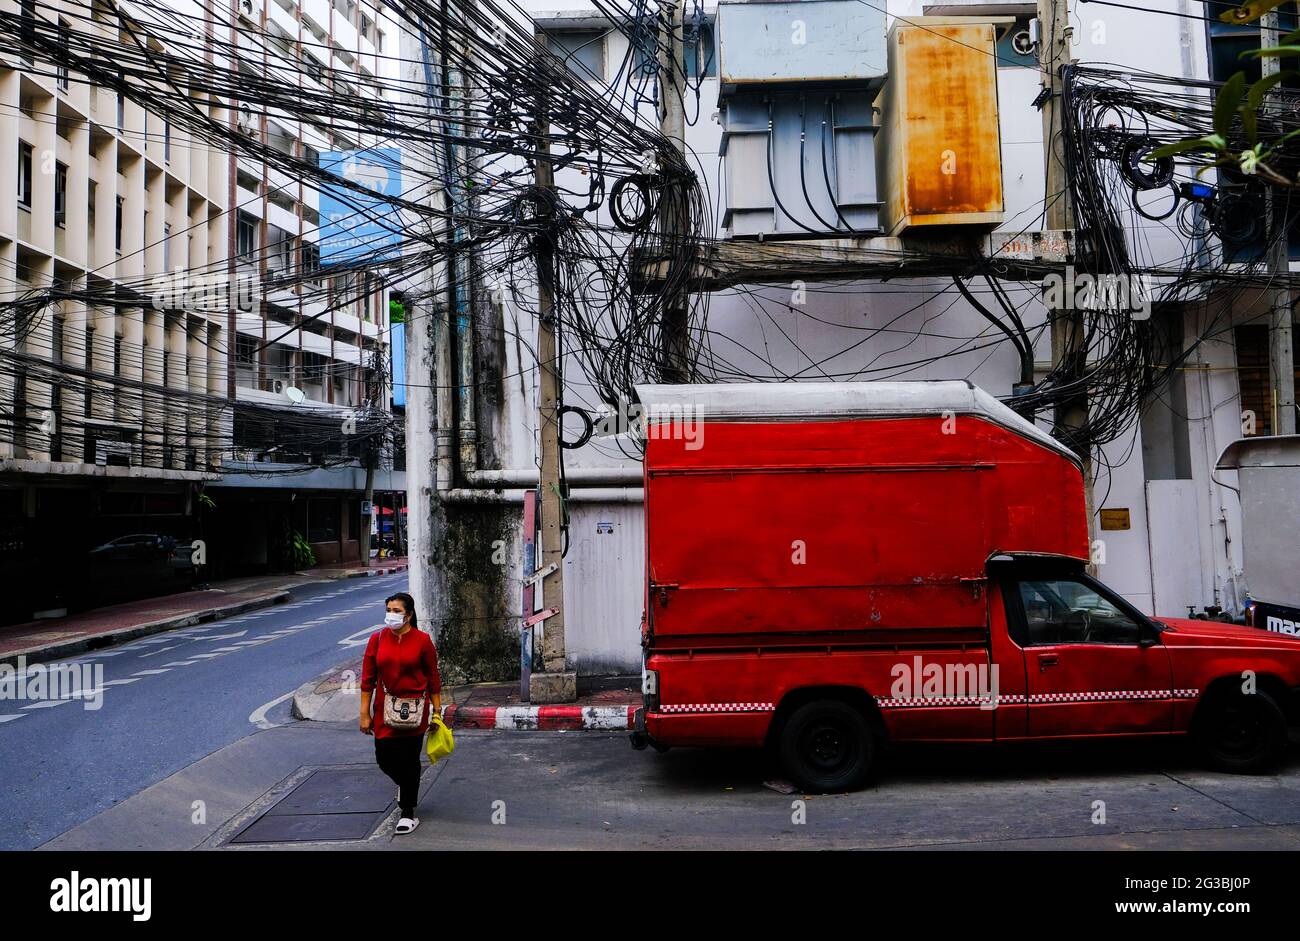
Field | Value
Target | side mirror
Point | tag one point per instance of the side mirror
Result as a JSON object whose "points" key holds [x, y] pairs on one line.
{"points": [[1148, 636]]}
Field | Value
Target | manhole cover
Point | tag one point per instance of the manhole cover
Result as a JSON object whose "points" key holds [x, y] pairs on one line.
{"points": [[328, 805]]}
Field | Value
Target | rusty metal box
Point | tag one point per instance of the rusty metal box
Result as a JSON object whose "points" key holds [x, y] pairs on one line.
{"points": [[939, 147]]}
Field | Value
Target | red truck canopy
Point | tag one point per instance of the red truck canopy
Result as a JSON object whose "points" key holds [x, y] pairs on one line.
{"points": [[846, 506]]}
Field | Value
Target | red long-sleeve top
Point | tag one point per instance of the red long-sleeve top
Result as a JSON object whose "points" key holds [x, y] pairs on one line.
{"points": [[408, 666]]}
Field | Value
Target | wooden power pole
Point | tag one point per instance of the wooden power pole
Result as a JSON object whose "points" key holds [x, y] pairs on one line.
{"points": [[675, 344], [1067, 325], [554, 683]]}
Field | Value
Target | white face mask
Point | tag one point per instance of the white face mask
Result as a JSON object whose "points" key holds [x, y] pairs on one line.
{"points": [[393, 619]]}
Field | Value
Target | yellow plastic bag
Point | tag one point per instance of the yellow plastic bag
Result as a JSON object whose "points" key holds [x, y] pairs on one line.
{"points": [[440, 743]]}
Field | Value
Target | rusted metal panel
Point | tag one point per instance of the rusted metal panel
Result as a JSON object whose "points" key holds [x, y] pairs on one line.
{"points": [[940, 150]]}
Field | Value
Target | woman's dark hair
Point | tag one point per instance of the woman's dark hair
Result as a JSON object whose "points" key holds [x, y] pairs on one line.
{"points": [[407, 602]]}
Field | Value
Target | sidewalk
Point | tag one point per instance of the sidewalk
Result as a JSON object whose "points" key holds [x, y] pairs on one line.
{"points": [[604, 704], [104, 627]]}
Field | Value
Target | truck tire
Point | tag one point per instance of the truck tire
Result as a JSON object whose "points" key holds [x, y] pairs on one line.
{"points": [[1243, 734], [827, 746]]}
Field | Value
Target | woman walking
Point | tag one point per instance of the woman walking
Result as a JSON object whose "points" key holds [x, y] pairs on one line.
{"points": [[403, 663]]}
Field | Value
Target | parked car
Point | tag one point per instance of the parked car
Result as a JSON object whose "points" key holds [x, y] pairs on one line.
{"points": [[834, 566], [141, 564]]}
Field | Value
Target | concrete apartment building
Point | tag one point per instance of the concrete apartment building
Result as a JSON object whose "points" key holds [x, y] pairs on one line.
{"points": [[124, 409]]}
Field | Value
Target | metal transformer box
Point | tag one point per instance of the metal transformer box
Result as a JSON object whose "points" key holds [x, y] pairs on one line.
{"points": [[799, 164], [939, 144], [762, 44], [797, 81]]}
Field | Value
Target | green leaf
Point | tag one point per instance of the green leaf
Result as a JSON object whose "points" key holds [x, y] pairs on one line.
{"points": [[1208, 142], [1277, 51], [1227, 102]]}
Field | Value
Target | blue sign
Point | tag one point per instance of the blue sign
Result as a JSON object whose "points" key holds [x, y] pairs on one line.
{"points": [[397, 345], [360, 224]]}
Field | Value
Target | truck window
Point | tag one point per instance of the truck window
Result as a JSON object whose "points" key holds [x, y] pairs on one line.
{"points": [[1066, 611]]}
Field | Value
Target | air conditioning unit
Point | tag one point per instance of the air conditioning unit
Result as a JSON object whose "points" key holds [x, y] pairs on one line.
{"points": [[245, 121], [112, 454], [252, 9]]}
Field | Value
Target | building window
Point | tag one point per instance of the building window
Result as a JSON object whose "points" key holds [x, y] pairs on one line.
{"points": [[62, 73], [167, 141], [310, 257], [1254, 376], [167, 246], [56, 340], [117, 225], [91, 188], [246, 236], [60, 194], [27, 30], [25, 175], [1227, 42], [698, 53], [583, 51]]}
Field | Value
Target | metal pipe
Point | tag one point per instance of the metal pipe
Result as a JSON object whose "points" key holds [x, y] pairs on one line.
{"points": [[577, 477], [593, 495]]}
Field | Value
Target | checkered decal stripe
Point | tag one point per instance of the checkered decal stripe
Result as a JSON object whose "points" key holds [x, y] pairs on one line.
{"points": [[1013, 699], [1009, 699]]}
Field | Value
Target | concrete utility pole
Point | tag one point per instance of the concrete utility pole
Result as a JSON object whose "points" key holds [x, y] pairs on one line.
{"points": [[1281, 351], [428, 376], [1054, 33], [555, 683], [672, 122]]}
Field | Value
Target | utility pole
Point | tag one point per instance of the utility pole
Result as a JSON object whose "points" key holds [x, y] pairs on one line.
{"points": [[1281, 352], [1071, 414], [675, 349], [554, 683]]}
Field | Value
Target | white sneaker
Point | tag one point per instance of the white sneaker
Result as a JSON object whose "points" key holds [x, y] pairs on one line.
{"points": [[407, 824]]}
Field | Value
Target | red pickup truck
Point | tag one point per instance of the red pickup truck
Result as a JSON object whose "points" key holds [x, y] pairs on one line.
{"points": [[834, 566]]}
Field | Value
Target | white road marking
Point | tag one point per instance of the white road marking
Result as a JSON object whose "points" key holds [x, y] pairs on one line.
{"points": [[154, 653], [181, 663], [123, 682], [12, 716], [48, 704], [151, 672], [258, 715]]}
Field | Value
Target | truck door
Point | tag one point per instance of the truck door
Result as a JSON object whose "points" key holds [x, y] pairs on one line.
{"points": [[1093, 665]]}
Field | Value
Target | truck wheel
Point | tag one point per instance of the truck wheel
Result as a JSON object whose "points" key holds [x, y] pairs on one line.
{"points": [[1243, 734], [827, 746]]}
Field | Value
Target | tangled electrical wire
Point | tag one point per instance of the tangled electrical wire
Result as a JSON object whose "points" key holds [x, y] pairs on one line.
{"points": [[476, 114]]}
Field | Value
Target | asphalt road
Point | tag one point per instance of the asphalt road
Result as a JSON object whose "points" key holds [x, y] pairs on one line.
{"points": [[169, 700]]}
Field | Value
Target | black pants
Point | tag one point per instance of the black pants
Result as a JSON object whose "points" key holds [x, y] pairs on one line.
{"points": [[399, 758]]}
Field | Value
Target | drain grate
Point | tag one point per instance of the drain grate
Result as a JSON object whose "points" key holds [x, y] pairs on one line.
{"points": [[330, 804]]}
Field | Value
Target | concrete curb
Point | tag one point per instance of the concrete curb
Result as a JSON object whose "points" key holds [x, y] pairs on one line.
{"points": [[382, 570], [319, 577], [541, 718], [339, 704], [113, 638]]}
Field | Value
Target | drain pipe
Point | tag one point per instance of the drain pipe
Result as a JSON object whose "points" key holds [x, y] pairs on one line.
{"points": [[516, 495], [576, 477]]}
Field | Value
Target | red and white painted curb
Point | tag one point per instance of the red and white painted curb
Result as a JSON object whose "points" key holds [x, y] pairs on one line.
{"points": [[541, 718], [383, 570]]}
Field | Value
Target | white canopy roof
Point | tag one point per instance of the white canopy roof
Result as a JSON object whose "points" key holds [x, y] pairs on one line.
{"points": [[802, 401]]}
